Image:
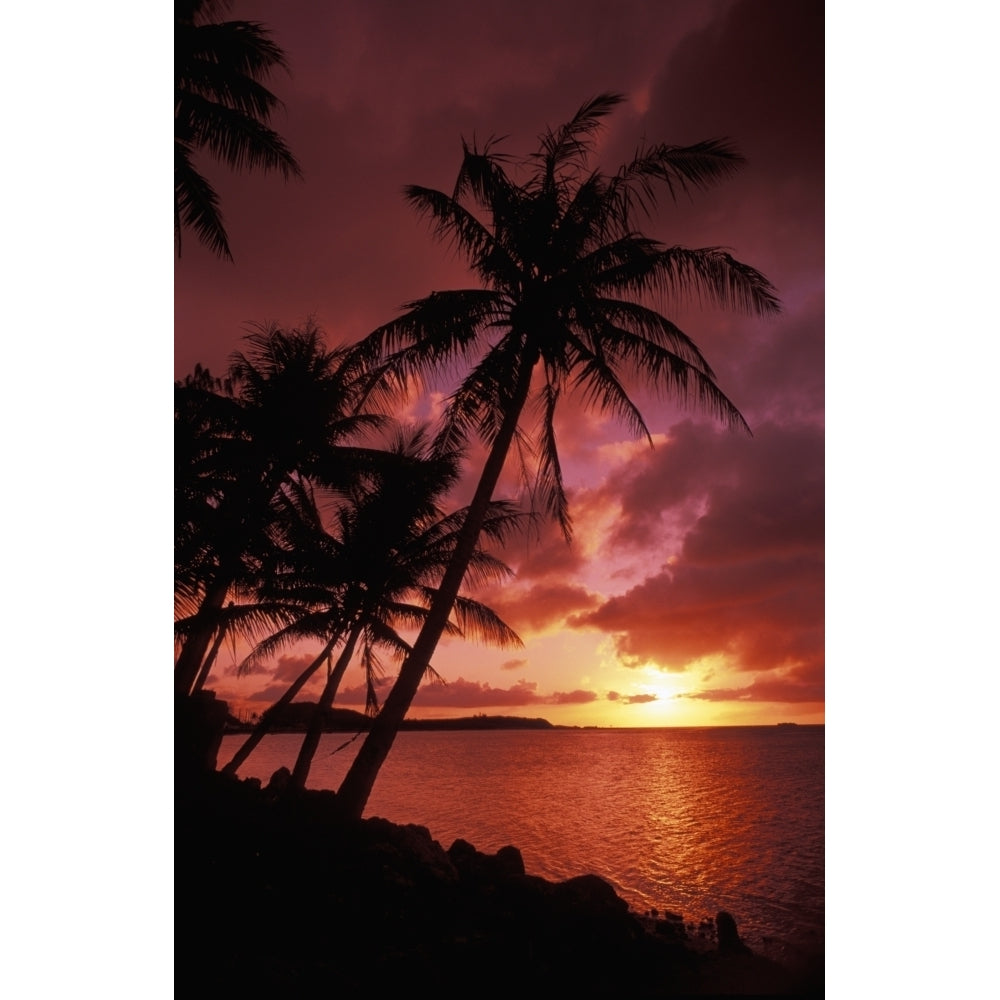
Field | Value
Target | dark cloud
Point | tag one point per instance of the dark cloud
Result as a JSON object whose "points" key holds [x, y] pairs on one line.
{"points": [[371, 105], [755, 74], [613, 696]]}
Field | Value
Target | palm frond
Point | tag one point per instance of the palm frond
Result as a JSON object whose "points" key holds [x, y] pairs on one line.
{"points": [[239, 140], [571, 143], [478, 403], [221, 106], [681, 169], [482, 177], [373, 673], [477, 621], [242, 48], [455, 226], [322, 625], [219, 86], [196, 205], [647, 323], [601, 387], [664, 371], [548, 480]]}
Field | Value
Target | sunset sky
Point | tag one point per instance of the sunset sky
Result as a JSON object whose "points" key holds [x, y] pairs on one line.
{"points": [[693, 592]]}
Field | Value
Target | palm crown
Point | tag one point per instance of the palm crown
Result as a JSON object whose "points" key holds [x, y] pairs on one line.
{"points": [[568, 282], [567, 278], [373, 571]]}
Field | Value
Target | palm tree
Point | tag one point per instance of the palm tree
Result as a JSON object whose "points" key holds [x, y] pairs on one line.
{"points": [[568, 281], [374, 573], [287, 412], [222, 106]]}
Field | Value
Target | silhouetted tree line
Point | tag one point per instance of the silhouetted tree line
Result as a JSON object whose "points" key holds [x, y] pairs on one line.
{"points": [[290, 526]]}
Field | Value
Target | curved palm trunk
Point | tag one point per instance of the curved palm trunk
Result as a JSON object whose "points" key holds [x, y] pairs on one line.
{"points": [[193, 651], [263, 727], [357, 785], [308, 749]]}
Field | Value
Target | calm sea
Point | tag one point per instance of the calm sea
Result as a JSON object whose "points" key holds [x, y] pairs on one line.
{"points": [[688, 820]]}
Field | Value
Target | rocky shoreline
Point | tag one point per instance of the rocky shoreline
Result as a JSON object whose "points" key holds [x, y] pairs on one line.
{"points": [[274, 892]]}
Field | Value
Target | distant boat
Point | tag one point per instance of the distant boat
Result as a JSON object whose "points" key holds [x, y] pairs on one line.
{"points": [[785, 725]]}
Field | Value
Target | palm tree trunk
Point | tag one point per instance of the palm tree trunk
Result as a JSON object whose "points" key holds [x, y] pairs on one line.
{"points": [[193, 652], [263, 727], [311, 741], [357, 785], [206, 667]]}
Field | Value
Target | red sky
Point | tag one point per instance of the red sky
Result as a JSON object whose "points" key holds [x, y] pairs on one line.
{"points": [[694, 590]]}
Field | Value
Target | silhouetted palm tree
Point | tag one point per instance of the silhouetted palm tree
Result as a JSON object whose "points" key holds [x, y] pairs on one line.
{"points": [[566, 274], [221, 106], [374, 572], [287, 413], [207, 418]]}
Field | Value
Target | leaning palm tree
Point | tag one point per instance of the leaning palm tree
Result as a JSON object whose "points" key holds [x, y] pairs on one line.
{"points": [[221, 106], [570, 304], [375, 572]]}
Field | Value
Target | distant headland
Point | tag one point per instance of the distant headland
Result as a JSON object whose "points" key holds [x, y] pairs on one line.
{"points": [[294, 718]]}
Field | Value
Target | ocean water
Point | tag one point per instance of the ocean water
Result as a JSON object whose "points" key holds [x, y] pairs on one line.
{"points": [[686, 820]]}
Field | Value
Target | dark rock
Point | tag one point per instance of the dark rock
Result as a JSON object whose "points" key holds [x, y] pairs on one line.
{"points": [[279, 781], [485, 869], [463, 855], [302, 898], [420, 858], [509, 861], [728, 936], [588, 908], [672, 930], [591, 893], [199, 725]]}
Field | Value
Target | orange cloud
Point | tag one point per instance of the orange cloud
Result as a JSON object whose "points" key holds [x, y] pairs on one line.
{"points": [[748, 583], [513, 664], [475, 694], [797, 685], [578, 697], [460, 693]]}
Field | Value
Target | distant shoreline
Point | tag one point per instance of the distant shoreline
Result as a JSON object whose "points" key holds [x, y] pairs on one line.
{"points": [[345, 720]]}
